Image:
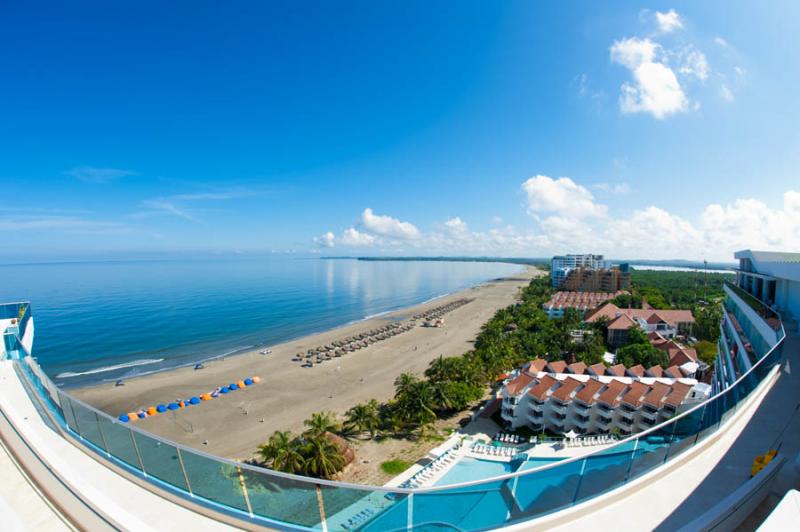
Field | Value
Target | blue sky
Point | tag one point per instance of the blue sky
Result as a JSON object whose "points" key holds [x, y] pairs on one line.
{"points": [[465, 128]]}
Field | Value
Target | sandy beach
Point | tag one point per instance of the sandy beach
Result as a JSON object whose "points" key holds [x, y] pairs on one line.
{"points": [[233, 425]]}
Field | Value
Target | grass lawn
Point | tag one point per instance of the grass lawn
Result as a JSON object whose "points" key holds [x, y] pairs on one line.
{"points": [[395, 467]]}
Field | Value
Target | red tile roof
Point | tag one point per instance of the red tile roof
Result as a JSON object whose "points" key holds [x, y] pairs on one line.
{"points": [[580, 300], [655, 371], [598, 369], [679, 357], [674, 372], [635, 393], [658, 391], [678, 394], [610, 395], [519, 383], [672, 317], [618, 370], [587, 393], [637, 370], [557, 366], [537, 365], [621, 322], [578, 368], [564, 391], [539, 391]]}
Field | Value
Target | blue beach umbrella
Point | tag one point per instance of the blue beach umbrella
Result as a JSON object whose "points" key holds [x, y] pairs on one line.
{"points": [[233, 386], [161, 408], [173, 406], [141, 415], [248, 381], [124, 418], [194, 401], [224, 390]]}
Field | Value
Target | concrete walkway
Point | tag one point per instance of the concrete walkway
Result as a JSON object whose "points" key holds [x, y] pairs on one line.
{"points": [[90, 487], [775, 424]]}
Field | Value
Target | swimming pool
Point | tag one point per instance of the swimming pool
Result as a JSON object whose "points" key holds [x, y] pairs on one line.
{"points": [[469, 468]]}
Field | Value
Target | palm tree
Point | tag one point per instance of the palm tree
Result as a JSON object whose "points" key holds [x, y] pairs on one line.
{"points": [[365, 417], [319, 423], [404, 382], [323, 458], [283, 452]]}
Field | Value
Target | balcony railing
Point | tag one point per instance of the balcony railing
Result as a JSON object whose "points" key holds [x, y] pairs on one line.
{"points": [[770, 316], [269, 498]]}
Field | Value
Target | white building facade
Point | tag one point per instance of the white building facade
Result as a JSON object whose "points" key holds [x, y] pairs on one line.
{"points": [[561, 265]]}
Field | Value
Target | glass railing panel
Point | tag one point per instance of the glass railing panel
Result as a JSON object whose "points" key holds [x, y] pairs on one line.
{"points": [[547, 490], [392, 517], [651, 451], [160, 460], [283, 499], [605, 470], [352, 508], [212, 479], [66, 409], [487, 505], [119, 441], [86, 420]]}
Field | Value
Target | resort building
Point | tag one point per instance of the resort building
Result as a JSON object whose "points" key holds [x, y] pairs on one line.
{"points": [[583, 302], [688, 465], [559, 398], [667, 323], [561, 265], [596, 280]]}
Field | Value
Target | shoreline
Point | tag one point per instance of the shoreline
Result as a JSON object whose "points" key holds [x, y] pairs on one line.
{"points": [[233, 425], [63, 381]]}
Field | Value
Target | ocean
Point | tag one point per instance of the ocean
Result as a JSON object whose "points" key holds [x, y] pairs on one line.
{"points": [[100, 321]]}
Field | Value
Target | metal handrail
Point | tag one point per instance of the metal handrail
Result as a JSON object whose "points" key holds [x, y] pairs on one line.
{"points": [[429, 489]]}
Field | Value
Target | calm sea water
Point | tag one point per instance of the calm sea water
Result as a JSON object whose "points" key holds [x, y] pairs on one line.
{"points": [[107, 320]]}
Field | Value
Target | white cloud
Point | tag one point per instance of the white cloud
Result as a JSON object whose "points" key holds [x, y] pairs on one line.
{"points": [[326, 240], [619, 189], [56, 223], [456, 225], [694, 63], [726, 93], [160, 206], [721, 42], [355, 238], [92, 174], [388, 226], [561, 197], [655, 88], [496, 220], [669, 21]]}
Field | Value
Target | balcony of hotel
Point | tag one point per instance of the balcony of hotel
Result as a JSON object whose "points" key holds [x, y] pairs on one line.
{"points": [[558, 407]]}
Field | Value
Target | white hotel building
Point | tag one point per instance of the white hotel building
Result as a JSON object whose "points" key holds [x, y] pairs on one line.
{"points": [[561, 265], [596, 399]]}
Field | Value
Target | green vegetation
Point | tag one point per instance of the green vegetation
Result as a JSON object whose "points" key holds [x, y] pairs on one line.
{"points": [[313, 453], [639, 350], [706, 351], [395, 467], [684, 290]]}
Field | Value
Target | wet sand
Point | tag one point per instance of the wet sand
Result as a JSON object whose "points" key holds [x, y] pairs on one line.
{"points": [[233, 425]]}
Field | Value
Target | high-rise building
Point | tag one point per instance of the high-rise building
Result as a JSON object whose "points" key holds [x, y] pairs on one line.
{"points": [[607, 280], [561, 265]]}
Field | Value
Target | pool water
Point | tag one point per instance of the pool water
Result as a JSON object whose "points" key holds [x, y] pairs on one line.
{"points": [[468, 469]]}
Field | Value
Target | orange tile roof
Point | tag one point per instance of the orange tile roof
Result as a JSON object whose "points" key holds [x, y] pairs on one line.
{"points": [[598, 369], [578, 368], [679, 357], [674, 372], [678, 394], [540, 390], [655, 371], [635, 393], [617, 370], [537, 365], [621, 322], [610, 395], [658, 391], [564, 391], [637, 370], [581, 300], [587, 393], [519, 383], [672, 317], [557, 366]]}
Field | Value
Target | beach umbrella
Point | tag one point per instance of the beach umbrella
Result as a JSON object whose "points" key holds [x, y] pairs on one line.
{"points": [[224, 390], [194, 400], [161, 408], [204, 397], [124, 418], [173, 406], [571, 434], [256, 379], [248, 381], [152, 411], [133, 416], [233, 386], [141, 415]]}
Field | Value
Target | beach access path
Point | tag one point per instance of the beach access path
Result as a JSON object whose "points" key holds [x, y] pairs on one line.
{"points": [[234, 425]]}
